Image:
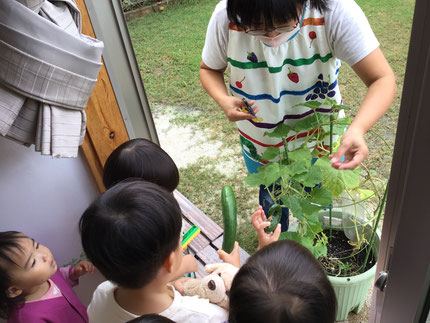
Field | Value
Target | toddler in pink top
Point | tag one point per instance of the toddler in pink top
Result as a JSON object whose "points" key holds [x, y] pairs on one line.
{"points": [[33, 288]]}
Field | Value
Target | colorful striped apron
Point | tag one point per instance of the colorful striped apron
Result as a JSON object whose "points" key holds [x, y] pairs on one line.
{"points": [[278, 78]]}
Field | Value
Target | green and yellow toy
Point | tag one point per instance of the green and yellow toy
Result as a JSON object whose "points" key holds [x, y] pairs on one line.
{"points": [[189, 236]]}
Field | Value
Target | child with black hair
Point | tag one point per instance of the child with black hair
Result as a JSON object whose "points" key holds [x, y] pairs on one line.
{"points": [[33, 288], [143, 159], [151, 318], [282, 283], [132, 235], [281, 53]]}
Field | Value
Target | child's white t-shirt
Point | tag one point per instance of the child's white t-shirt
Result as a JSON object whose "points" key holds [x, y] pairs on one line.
{"points": [[348, 32], [188, 309]]}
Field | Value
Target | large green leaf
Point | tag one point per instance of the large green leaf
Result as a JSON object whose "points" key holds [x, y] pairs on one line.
{"points": [[318, 199], [255, 179], [333, 104], [310, 178], [351, 177], [317, 250], [339, 126], [306, 124], [290, 236], [321, 196], [302, 153], [272, 173], [310, 104], [297, 167], [266, 175], [308, 208], [324, 119], [270, 153], [330, 102], [280, 131], [314, 225], [293, 204], [336, 180]]}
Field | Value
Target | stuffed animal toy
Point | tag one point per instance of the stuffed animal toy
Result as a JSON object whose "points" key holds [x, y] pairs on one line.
{"points": [[216, 286]]}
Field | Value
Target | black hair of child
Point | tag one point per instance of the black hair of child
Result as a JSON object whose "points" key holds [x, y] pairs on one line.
{"points": [[8, 245], [282, 283], [130, 230], [151, 318], [266, 14], [141, 158]]}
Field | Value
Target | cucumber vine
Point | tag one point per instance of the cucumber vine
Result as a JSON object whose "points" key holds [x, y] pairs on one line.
{"points": [[306, 183]]}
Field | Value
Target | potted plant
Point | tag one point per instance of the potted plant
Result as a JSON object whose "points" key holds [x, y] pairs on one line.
{"points": [[337, 211]]}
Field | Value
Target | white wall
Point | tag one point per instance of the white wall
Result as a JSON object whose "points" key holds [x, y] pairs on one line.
{"points": [[44, 198]]}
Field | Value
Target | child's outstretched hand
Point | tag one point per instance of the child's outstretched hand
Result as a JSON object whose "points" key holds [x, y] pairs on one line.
{"points": [[233, 257], [190, 264], [260, 222], [82, 268], [354, 149]]}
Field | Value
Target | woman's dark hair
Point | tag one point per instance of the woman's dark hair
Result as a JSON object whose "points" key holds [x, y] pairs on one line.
{"points": [[268, 13], [282, 283], [141, 158], [151, 318], [8, 245], [130, 230]]}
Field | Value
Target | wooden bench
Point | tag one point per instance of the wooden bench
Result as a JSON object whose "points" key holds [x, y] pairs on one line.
{"points": [[205, 245]]}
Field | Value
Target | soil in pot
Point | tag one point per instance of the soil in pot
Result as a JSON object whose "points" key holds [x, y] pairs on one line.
{"points": [[343, 259]]}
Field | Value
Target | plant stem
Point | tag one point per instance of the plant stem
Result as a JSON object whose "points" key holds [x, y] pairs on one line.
{"points": [[355, 217], [331, 152], [372, 237], [284, 141], [331, 131], [371, 181]]}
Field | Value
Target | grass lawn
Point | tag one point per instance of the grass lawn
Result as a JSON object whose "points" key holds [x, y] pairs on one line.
{"points": [[168, 48]]}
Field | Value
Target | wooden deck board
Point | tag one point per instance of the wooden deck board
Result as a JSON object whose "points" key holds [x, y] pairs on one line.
{"points": [[205, 245], [195, 216], [199, 242]]}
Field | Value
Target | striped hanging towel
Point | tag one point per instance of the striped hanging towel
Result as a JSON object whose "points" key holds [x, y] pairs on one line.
{"points": [[48, 70]]}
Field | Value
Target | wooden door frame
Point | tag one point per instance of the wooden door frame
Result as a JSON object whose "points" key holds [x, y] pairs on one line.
{"points": [[118, 109]]}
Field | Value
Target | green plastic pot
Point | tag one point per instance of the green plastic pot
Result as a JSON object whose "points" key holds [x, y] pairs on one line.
{"points": [[351, 292]]}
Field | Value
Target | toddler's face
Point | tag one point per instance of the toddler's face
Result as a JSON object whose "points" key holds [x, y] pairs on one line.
{"points": [[35, 265]]}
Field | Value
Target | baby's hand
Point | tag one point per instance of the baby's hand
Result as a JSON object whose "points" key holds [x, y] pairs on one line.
{"points": [[260, 222], [82, 268], [233, 257]]}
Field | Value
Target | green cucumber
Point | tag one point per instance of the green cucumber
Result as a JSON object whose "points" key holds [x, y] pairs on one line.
{"points": [[229, 215], [275, 213]]}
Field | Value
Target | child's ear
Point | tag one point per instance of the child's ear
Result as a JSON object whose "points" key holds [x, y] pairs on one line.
{"points": [[13, 292], [169, 262]]}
